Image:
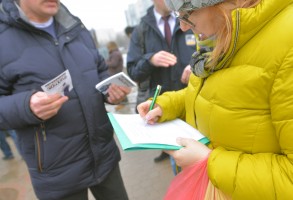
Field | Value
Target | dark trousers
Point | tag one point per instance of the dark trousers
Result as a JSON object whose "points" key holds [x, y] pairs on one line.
{"points": [[111, 188], [4, 146]]}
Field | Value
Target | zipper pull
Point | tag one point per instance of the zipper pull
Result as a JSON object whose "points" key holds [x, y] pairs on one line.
{"points": [[43, 132]]}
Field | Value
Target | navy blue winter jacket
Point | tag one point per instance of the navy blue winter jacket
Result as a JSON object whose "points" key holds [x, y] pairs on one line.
{"points": [[78, 150], [138, 66]]}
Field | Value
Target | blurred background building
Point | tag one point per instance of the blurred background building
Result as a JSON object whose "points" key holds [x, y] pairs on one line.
{"points": [[136, 10], [133, 14]]}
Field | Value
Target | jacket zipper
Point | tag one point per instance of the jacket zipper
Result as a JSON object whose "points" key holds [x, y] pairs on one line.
{"points": [[43, 131], [38, 149], [38, 145]]}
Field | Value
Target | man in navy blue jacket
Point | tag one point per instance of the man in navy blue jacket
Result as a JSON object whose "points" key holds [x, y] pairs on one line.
{"points": [[151, 61], [66, 141]]}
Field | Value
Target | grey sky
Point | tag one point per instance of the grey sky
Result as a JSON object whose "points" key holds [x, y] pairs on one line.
{"points": [[100, 14]]}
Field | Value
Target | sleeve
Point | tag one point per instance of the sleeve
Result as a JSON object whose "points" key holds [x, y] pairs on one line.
{"points": [[14, 109], [102, 67], [263, 175], [138, 66], [172, 104], [103, 74]]}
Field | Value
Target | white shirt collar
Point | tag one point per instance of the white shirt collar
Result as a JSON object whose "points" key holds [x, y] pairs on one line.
{"points": [[158, 17], [160, 21]]}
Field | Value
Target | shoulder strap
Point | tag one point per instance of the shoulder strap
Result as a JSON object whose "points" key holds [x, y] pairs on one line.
{"points": [[144, 86], [141, 35]]}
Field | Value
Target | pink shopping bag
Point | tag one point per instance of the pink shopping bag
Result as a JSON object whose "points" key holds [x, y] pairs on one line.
{"points": [[190, 184]]}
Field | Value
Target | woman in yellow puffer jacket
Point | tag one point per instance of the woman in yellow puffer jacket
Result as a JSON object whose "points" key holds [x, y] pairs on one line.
{"points": [[240, 95]]}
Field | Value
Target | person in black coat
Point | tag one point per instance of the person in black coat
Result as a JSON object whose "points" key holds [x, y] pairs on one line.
{"points": [[152, 61], [65, 137]]}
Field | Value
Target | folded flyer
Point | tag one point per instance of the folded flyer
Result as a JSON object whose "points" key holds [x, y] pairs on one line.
{"points": [[120, 79]]}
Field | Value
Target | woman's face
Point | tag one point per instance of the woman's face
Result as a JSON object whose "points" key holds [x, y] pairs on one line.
{"points": [[203, 20]]}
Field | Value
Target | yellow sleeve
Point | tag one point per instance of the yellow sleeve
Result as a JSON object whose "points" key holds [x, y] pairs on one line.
{"points": [[263, 175], [172, 104]]}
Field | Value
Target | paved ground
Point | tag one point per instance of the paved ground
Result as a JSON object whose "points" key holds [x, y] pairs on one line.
{"points": [[144, 179]]}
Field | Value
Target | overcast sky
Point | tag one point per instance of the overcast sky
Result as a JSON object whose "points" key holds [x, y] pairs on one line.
{"points": [[100, 14]]}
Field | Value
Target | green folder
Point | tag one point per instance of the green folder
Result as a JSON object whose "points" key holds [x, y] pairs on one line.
{"points": [[127, 145]]}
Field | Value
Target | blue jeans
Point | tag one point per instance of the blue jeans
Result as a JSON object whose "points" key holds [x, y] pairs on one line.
{"points": [[4, 146]]}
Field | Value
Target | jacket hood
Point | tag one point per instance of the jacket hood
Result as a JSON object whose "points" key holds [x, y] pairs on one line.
{"points": [[247, 23], [253, 19], [8, 12], [11, 15]]}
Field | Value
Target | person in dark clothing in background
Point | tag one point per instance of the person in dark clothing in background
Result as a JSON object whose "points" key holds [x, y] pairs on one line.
{"points": [[115, 65], [115, 59], [158, 55], [66, 141], [128, 31], [4, 145]]}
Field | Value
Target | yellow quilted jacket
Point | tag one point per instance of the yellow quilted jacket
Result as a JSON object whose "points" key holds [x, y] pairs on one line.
{"points": [[246, 108]]}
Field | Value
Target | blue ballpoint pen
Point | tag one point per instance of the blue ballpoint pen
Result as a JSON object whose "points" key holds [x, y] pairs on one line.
{"points": [[157, 92]]}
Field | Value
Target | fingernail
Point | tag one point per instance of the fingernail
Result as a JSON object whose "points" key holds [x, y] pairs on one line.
{"points": [[146, 119]]}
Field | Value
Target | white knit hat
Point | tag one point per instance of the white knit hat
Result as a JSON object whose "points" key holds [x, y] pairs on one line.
{"points": [[185, 5]]}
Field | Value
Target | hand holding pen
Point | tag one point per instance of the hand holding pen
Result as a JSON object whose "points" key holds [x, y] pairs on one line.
{"points": [[149, 110]]}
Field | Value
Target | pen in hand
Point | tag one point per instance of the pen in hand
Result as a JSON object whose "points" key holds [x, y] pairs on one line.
{"points": [[157, 92]]}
